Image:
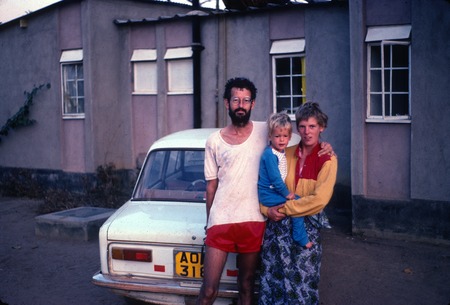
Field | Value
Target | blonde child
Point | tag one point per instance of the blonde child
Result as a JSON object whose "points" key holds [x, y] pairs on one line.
{"points": [[272, 190]]}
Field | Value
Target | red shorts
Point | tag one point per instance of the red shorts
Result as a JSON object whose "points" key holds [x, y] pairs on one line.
{"points": [[245, 237]]}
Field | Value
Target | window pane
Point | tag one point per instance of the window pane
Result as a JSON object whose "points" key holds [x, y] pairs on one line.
{"points": [[375, 81], [375, 105], [283, 85], [387, 56], [387, 81], [79, 71], [284, 104], [400, 56], [180, 76], [145, 77], [296, 65], [297, 86], [70, 71], [387, 105], [71, 88], [400, 81], [375, 52], [66, 104], [400, 104], [72, 107], [80, 105], [80, 88], [283, 66], [297, 102]]}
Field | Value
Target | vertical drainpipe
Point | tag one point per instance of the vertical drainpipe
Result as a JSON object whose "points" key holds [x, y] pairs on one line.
{"points": [[197, 48]]}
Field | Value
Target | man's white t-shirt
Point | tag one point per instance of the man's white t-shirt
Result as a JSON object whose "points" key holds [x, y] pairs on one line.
{"points": [[236, 167]]}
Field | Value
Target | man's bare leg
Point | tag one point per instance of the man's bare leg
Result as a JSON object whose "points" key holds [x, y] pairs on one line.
{"points": [[212, 270], [247, 264]]}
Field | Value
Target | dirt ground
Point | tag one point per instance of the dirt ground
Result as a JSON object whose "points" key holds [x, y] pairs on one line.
{"points": [[38, 270], [355, 271]]}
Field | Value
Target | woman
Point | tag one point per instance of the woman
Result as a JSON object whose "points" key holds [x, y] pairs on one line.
{"points": [[290, 273]]}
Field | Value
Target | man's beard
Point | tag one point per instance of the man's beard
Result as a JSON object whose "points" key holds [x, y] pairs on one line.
{"points": [[239, 120]]}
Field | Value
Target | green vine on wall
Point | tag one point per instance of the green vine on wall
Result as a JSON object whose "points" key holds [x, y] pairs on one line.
{"points": [[21, 119]]}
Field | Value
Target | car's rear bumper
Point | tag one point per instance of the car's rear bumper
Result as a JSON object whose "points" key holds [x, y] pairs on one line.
{"points": [[159, 286]]}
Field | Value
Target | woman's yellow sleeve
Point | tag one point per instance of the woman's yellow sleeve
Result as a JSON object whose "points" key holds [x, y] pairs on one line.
{"points": [[315, 195]]}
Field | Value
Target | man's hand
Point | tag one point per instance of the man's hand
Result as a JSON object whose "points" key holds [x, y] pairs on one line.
{"points": [[291, 196], [274, 214], [326, 149]]}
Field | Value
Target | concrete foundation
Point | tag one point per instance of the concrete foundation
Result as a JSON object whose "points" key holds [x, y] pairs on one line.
{"points": [[79, 223]]}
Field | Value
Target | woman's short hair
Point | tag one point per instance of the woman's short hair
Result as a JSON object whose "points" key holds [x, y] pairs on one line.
{"points": [[311, 109]]}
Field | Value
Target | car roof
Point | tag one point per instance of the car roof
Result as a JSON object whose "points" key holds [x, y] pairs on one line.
{"points": [[190, 138]]}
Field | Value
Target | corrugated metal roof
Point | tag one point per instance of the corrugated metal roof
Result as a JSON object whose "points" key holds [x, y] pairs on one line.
{"points": [[212, 12], [160, 18]]}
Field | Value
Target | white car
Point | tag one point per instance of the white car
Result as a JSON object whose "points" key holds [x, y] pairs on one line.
{"points": [[151, 249]]}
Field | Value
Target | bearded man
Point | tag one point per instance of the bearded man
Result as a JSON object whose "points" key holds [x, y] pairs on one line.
{"points": [[234, 221]]}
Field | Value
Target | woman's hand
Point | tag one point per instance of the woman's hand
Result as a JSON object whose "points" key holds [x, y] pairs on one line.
{"points": [[326, 149], [273, 213]]}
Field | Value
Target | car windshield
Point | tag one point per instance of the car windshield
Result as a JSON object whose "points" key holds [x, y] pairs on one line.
{"points": [[172, 175]]}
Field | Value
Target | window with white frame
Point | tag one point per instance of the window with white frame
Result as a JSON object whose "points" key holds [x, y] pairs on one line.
{"points": [[388, 79], [72, 79], [179, 70], [289, 75], [144, 71]]}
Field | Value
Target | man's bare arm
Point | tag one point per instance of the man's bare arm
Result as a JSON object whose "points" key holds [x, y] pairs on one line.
{"points": [[211, 188]]}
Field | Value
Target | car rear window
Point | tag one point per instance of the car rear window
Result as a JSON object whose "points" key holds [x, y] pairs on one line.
{"points": [[172, 175]]}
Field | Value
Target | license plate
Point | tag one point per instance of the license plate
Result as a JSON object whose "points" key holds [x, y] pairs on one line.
{"points": [[189, 264]]}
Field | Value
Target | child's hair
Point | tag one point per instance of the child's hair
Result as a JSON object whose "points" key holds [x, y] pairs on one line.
{"points": [[277, 120]]}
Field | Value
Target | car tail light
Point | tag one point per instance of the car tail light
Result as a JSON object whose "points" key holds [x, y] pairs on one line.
{"points": [[137, 255]]}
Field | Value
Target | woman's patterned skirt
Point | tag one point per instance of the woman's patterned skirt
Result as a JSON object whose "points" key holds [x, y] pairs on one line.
{"points": [[290, 273]]}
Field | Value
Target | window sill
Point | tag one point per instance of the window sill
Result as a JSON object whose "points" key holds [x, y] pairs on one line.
{"points": [[389, 121], [144, 93], [73, 116], [180, 93]]}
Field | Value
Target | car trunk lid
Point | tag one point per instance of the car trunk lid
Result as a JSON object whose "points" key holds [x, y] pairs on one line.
{"points": [[160, 222]]}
